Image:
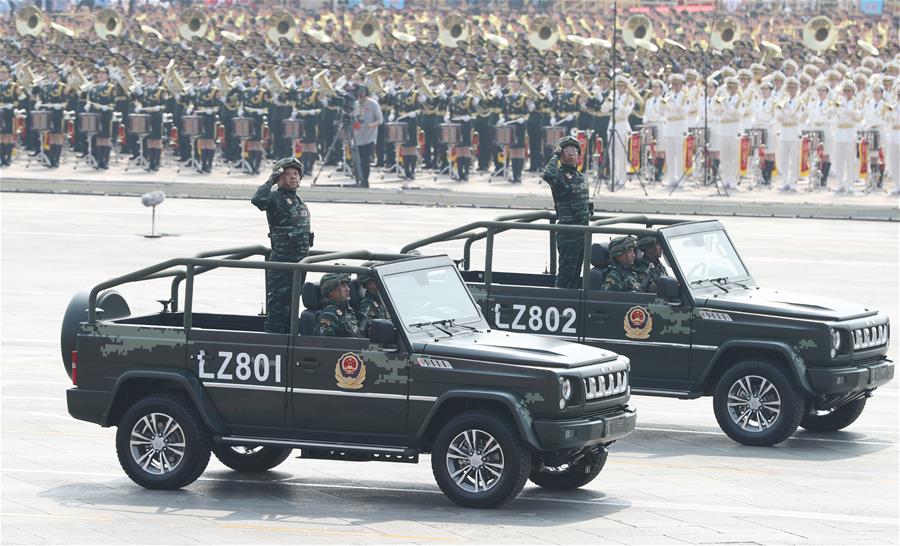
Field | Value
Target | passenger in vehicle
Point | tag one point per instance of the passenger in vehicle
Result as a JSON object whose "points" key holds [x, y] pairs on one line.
{"points": [[621, 275], [337, 318], [370, 306], [650, 265]]}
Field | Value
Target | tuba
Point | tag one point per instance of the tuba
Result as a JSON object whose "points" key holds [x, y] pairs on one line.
{"points": [[819, 33], [637, 27], [192, 24], [452, 29], [282, 25], [542, 33], [725, 33], [109, 22], [366, 30], [30, 21]]}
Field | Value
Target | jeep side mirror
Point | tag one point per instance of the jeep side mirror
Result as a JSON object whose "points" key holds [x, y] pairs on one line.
{"points": [[382, 331], [667, 288]]}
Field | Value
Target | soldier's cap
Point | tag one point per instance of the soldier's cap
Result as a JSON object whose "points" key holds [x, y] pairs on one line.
{"points": [[620, 245], [848, 86], [647, 241], [287, 162], [363, 278], [766, 85], [330, 281], [568, 141], [792, 82]]}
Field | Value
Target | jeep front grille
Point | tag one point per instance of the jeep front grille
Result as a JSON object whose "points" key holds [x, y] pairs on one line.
{"points": [[869, 337], [608, 384]]}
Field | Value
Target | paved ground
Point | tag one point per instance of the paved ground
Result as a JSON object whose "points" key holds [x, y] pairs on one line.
{"points": [[481, 191], [677, 480]]}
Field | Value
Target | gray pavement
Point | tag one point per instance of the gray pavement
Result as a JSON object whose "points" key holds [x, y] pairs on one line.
{"points": [[677, 480], [480, 191]]}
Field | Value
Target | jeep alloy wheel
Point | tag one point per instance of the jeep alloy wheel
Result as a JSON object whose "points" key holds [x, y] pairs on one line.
{"points": [[757, 403], [479, 460]]}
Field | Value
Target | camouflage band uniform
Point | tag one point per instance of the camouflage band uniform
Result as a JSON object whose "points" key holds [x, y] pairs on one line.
{"points": [[621, 277], [573, 207], [291, 238], [336, 319]]}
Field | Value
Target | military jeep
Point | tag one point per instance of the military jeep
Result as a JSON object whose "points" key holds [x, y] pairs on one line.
{"points": [[770, 359], [493, 408]]}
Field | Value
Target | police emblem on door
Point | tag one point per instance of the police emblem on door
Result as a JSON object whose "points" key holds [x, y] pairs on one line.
{"points": [[638, 323], [350, 371]]}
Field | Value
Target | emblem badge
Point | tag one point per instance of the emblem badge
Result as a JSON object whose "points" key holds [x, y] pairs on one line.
{"points": [[638, 323], [338, 311], [350, 371]]}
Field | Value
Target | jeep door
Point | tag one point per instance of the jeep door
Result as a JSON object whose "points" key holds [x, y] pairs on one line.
{"points": [[348, 389], [244, 373]]}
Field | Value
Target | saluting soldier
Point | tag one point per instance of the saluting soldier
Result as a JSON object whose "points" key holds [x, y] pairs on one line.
{"points": [[289, 233], [337, 318], [206, 102], [573, 207], [621, 276]]}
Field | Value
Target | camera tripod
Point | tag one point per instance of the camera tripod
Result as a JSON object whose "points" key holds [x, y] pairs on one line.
{"points": [[345, 128]]}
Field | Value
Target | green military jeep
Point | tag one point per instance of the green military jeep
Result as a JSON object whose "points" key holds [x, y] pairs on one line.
{"points": [[493, 408], [771, 360]]}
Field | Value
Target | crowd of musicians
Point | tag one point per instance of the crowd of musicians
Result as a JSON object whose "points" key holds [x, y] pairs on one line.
{"points": [[764, 116]]}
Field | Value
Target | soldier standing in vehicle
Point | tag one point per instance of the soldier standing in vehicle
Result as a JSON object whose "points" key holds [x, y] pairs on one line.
{"points": [[370, 306], [289, 232], [650, 266], [621, 275], [573, 207], [337, 318]]}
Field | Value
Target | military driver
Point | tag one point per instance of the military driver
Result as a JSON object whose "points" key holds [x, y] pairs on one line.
{"points": [[573, 207], [621, 275], [289, 232], [370, 306], [337, 318], [650, 266]]}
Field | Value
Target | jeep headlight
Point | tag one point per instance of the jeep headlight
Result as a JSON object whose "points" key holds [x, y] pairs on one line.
{"points": [[835, 342], [565, 387]]}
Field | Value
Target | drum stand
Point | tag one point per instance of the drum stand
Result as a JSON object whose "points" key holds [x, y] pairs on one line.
{"points": [[707, 178], [448, 168], [89, 156], [396, 168], [242, 163], [192, 161], [41, 156], [503, 171], [140, 161]]}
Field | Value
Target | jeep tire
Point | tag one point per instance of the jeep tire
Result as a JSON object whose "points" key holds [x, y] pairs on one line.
{"points": [[162, 443], [251, 458], [479, 460], [757, 403], [835, 419], [570, 476]]}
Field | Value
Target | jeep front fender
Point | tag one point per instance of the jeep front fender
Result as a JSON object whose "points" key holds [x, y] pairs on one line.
{"points": [[792, 358]]}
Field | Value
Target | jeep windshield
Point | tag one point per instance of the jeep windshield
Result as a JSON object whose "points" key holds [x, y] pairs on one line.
{"points": [[433, 297], [709, 259]]}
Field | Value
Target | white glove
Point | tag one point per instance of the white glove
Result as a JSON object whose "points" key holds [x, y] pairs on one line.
{"points": [[552, 120], [391, 117], [501, 120], [446, 118]]}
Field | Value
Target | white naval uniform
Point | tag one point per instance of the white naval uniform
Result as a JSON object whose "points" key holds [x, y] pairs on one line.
{"points": [[819, 118], [764, 118], [846, 167], [619, 141], [675, 128], [892, 148], [787, 155], [729, 139]]}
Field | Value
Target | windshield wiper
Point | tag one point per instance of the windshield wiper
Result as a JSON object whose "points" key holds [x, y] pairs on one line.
{"points": [[717, 282], [437, 324], [452, 322]]}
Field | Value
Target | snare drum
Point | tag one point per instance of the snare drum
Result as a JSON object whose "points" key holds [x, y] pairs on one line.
{"points": [[553, 134], [40, 120], [89, 122], [396, 132], [191, 125], [139, 124], [450, 133], [503, 135], [292, 128], [242, 127]]}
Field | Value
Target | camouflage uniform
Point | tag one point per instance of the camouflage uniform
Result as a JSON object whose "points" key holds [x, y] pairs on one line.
{"points": [[370, 306], [572, 203], [620, 277], [649, 268], [289, 232], [336, 319]]}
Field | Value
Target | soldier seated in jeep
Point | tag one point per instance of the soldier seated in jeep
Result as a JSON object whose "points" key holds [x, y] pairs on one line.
{"points": [[337, 318], [621, 275]]}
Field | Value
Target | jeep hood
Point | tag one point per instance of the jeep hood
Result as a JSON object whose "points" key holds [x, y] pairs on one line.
{"points": [[788, 304], [513, 348]]}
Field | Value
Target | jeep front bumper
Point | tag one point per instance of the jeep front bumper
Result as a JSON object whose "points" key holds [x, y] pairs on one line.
{"points": [[851, 378], [576, 433]]}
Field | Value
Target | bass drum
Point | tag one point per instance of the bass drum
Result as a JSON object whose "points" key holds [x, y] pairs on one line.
{"points": [[113, 306]]}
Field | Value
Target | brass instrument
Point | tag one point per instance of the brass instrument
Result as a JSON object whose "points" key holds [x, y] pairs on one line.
{"points": [[637, 27], [76, 80], [542, 33], [366, 30], [276, 84], [419, 78], [375, 77], [581, 89], [193, 24], [497, 40], [147, 30], [319, 35], [321, 78], [108, 23], [282, 25], [867, 47], [673, 43], [770, 48], [638, 99], [231, 36], [403, 36], [478, 89], [725, 33], [224, 84], [452, 29], [30, 21], [530, 90], [819, 33], [62, 30], [172, 79]]}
